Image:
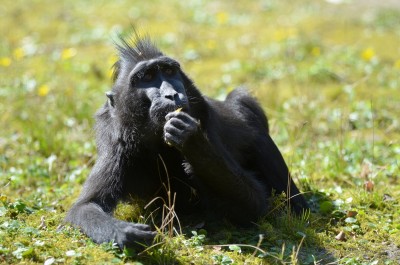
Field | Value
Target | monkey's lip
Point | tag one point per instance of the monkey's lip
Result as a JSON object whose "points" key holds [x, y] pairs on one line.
{"points": [[168, 109], [181, 108]]}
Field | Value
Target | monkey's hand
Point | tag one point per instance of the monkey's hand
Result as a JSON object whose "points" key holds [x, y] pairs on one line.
{"points": [[131, 234], [180, 126]]}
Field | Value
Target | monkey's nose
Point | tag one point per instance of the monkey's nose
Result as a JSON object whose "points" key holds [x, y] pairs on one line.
{"points": [[170, 97], [180, 101]]}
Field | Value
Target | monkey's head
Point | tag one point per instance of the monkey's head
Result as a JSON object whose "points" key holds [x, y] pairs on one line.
{"points": [[147, 85]]}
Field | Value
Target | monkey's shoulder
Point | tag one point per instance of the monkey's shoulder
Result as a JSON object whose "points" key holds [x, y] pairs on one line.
{"points": [[240, 108]]}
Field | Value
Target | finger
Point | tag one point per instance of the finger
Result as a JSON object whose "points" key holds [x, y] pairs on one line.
{"points": [[179, 114], [183, 122], [143, 227], [173, 130], [170, 115], [177, 123], [171, 139], [139, 235]]}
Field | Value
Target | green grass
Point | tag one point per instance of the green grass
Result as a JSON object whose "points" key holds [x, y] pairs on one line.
{"points": [[327, 75]]}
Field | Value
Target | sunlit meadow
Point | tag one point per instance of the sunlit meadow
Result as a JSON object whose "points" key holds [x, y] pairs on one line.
{"points": [[326, 72]]}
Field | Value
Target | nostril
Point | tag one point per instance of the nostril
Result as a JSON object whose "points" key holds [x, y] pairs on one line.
{"points": [[171, 97]]}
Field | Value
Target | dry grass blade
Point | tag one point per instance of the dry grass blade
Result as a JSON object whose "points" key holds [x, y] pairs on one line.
{"points": [[169, 215]]}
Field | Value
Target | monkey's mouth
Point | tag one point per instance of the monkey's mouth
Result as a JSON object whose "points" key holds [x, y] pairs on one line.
{"points": [[159, 111], [162, 108]]}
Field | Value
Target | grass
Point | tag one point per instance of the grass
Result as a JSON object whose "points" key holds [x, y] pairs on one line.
{"points": [[327, 75]]}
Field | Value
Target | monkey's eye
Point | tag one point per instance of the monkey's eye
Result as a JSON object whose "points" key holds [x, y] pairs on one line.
{"points": [[169, 71], [149, 75]]}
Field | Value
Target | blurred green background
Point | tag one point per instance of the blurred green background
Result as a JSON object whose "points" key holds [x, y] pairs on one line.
{"points": [[327, 74]]}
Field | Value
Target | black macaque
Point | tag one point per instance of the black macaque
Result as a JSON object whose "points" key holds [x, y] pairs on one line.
{"points": [[218, 155]]}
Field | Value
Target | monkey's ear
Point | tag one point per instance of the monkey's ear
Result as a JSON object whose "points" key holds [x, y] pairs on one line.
{"points": [[110, 96]]}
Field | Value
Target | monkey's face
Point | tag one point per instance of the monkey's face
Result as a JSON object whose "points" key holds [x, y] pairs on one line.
{"points": [[166, 93], [155, 89]]}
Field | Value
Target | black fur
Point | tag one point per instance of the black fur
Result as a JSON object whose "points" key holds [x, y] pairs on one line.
{"points": [[220, 149]]}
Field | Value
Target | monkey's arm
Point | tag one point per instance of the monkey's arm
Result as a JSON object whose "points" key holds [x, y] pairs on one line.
{"points": [[92, 213], [243, 197]]}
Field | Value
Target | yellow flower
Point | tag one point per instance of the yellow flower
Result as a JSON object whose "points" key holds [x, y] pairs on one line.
{"points": [[18, 53], [5, 61], [68, 53], [279, 35], [43, 90], [397, 64], [3, 198], [368, 54], [211, 44], [222, 17], [316, 51], [284, 34]]}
